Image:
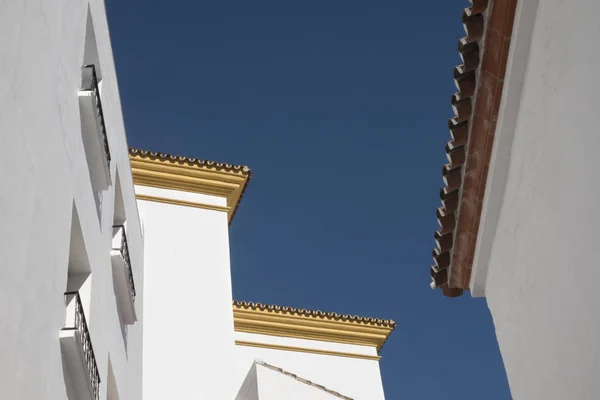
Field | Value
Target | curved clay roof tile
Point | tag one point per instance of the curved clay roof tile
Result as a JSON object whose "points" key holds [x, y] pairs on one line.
{"points": [[475, 116], [316, 313], [190, 161], [473, 25]]}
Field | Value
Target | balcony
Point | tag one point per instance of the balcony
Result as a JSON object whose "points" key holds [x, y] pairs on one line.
{"points": [[93, 125], [77, 350], [123, 275]]}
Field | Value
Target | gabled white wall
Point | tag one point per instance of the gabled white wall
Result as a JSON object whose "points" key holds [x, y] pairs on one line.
{"points": [[354, 377], [265, 383], [188, 320], [42, 174], [249, 389]]}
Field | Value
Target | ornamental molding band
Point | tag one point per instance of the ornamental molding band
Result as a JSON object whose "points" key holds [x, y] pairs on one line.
{"points": [[312, 325], [307, 350], [166, 171]]}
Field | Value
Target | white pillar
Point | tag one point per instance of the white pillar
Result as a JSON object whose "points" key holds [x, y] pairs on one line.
{"points": [[188, 318]]}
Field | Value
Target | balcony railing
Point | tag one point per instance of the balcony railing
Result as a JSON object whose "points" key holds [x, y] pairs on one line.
{"points": [[123, 275], [90, 83], [124, 249], [75, 321]]}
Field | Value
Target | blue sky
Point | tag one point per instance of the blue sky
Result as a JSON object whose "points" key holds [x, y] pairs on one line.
{"points": [[340, 109]]}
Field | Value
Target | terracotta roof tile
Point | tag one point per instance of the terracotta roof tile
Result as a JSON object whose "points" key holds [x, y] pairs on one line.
{"points": [[479, 80]]}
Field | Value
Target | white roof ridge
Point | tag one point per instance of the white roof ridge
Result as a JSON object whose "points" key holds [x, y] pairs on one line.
{"points": [[302, 380]]}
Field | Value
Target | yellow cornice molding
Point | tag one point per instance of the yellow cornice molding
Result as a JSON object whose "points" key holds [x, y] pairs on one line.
{"points": [[306, 350], [312, 325], [166, 171], [182, 203]]}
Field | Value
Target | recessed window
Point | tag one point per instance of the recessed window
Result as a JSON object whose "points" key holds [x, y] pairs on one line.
{"points": [[122, 272], [93, 124], [81, 373]]}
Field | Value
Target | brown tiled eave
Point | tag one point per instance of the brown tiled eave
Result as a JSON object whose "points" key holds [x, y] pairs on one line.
{"points": [[479, 80]]}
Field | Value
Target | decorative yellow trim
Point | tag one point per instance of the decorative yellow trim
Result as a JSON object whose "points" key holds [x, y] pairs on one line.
{"points": [[191, 175], [182, 203], [306, 350], [311, 325]]}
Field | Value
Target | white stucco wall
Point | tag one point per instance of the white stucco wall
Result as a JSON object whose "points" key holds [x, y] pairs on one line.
{"points": [[354, 377], [249, 388], [42, 174], [188, 320], [543, 270], [189, 338]]}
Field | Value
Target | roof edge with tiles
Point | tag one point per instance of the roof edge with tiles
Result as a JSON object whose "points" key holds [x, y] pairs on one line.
{"points": [[167, 171], [479, 80], [312, 325]]}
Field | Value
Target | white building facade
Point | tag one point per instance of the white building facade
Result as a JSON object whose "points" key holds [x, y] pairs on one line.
{"points": [[71, 272], [208, 348], [115, 276], [525, 142]]}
